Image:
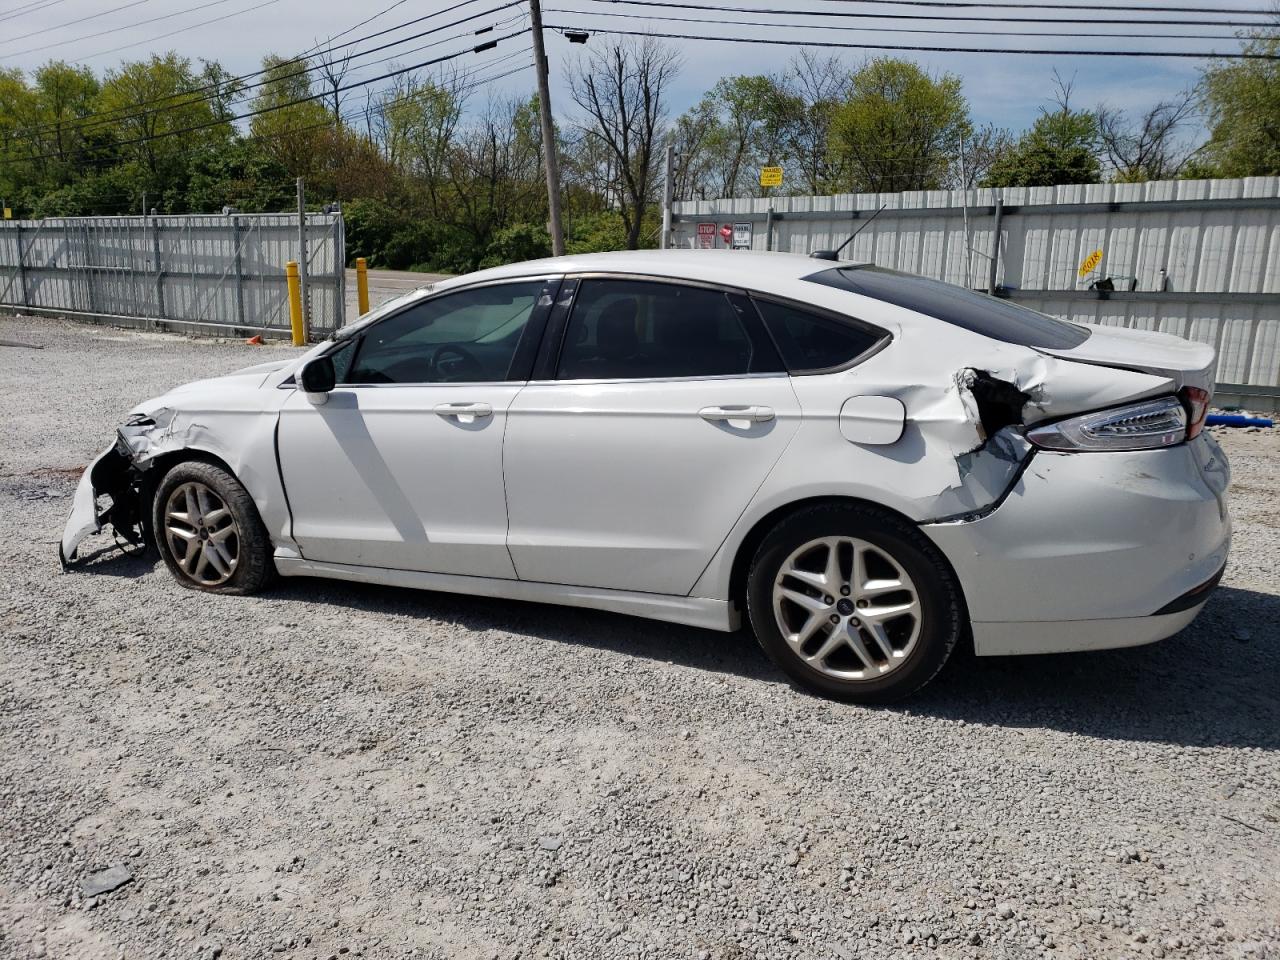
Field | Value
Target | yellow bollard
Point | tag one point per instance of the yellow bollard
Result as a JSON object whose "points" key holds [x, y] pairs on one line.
{"points": [[362, 285], [295, 302]]}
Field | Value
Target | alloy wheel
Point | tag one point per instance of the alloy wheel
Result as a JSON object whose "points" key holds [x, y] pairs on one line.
{"points": [[202, 534], [847, 608]]}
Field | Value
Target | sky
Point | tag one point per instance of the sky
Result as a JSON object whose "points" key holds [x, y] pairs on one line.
{"points": [[1005, 89]]}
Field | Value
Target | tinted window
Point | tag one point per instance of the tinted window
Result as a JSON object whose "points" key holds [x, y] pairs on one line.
{"points": [[470, 335], [988, 316], [810, 342], [623, 329]]}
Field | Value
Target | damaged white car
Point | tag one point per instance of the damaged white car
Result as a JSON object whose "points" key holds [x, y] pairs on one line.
{"points": [[865, 466]]}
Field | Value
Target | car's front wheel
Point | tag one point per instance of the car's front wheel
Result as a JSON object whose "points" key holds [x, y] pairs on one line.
{"points": [[853, 603], [208, 530]]}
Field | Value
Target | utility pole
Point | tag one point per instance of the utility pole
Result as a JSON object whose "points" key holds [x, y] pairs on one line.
{"points": [[548, 131], [668, 193]]}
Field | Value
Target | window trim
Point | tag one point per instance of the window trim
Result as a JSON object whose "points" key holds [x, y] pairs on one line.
{"points": [[522, 360], [885, 337], [558, 327]]}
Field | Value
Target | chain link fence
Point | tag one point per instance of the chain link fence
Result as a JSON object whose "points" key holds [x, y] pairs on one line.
{"points": [[207, 274]]}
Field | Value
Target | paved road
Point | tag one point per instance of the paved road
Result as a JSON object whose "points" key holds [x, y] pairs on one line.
{"points": [[385, 284]]}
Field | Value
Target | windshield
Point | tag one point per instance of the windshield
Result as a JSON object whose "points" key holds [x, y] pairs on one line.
{"points": [[988, 316]]}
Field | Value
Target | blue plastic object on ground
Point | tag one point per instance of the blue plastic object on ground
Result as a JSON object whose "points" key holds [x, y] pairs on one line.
{"points": [[1236, 420]]}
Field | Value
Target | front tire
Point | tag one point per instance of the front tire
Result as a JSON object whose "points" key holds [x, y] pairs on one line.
{"points": [[853, 603], [209, 532]]}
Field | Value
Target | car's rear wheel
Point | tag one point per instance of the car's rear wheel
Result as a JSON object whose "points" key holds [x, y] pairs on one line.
{"points": [[853, 603], [209, 532]]}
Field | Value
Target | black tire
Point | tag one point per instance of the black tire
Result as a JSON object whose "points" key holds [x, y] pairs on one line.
{"points": [[941, 605], [253, 568]]}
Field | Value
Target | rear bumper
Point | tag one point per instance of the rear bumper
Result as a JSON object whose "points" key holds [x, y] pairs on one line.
{"points": [[1092, 551]]}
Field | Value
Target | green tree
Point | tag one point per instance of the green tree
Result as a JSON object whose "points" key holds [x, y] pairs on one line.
{"points": [[160, 117], [899, 129], [289, 127], [1061, 147], [1241, 100]]}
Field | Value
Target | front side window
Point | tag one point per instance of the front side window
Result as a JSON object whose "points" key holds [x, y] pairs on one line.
{"points": [[810, 342], [471, 336], [638, 329]]}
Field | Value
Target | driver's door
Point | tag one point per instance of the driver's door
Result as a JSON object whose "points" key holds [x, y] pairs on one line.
{"points": [[401, 466]]}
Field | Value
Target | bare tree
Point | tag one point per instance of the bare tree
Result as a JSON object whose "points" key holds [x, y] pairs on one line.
{"points": [[1148, 148], [982, 149], [621, 90], [333, 69], [813, 86]]}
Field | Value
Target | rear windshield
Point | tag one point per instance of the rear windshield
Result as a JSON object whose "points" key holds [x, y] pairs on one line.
{"points": [[988, 316]]}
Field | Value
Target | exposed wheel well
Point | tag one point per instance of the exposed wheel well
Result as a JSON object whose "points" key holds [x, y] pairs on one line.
{"points": [[161, 465], [750, 543]]}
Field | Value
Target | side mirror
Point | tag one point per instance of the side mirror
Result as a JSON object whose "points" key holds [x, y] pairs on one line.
{"points": [[317, 378]]}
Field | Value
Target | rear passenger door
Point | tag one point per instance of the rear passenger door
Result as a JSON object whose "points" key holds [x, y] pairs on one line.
{"points": [[656, 411]]}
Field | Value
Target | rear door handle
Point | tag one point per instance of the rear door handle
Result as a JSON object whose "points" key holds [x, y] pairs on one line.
{"points": [[752, 413], [464, 409]]}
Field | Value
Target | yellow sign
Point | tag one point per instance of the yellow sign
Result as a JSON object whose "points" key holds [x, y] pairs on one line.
{"points": [[770, 176], [8, 214], [1091, 263]]}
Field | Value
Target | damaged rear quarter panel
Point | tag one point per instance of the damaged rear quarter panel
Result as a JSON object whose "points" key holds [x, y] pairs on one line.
{"points": [[954, 386]]}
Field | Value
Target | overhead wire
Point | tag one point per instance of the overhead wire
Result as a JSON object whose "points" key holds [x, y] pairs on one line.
{"points": [[948, 18], [863, 29], [279, 106], [216, 89], [1006, 51], [129, 26], [78, 20]]}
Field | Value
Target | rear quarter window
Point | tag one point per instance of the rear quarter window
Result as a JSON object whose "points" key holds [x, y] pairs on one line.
{"points": [[810, 342], [981, 314]]}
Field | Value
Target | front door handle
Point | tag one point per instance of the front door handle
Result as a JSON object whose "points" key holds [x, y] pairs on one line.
{"points": [[752, 413], [464, 409]]}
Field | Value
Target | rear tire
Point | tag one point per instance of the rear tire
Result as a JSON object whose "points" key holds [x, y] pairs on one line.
{"points": [[853, 603], [208, 531]]}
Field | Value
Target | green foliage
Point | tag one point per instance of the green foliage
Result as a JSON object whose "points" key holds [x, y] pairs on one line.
{"points": [[520, 241], [592, 232], [1061, 147], [899, 129], [1241, 99]]}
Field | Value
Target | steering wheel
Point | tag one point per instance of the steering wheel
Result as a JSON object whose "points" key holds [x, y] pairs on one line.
{"points": [[452, 362]]}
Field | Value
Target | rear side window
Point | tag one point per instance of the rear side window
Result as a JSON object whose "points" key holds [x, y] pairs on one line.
{"points": [[987, 316], [810, 342], [641, 329]]}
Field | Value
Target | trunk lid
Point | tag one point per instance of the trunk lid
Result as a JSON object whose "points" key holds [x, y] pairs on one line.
{"points": [[1186, 362]]}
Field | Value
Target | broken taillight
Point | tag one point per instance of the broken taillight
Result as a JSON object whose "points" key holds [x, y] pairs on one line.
{"points": [[1197, 404]]}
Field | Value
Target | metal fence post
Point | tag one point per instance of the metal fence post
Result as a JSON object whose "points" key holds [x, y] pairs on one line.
{"points": [[22, 266], [340, 271], [159, 269], [90, 279], [995, 247], [239, 268]]}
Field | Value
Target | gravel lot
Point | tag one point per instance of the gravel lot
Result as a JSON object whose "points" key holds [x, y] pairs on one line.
{"points": [[338, 770]]}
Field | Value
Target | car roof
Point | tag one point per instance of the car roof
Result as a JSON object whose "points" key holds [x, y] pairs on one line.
{"points": [[752, 269]]}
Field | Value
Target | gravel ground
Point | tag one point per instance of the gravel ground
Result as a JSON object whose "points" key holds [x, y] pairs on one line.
{"points": [[333, 770]]}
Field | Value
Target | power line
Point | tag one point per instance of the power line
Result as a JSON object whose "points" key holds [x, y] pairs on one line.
{"points": [[29, 8], [861, 29], [1089, 8], [102, 33], [78, 20], [948, 18], [278, 106], [115, 115], [887, 46]]}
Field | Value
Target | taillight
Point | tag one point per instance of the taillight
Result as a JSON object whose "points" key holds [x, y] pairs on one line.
{"points": [[1197, 403], [1139, 426]]}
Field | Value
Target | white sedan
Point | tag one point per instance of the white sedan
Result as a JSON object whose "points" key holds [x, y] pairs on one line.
{"points": [[864, 465]]}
